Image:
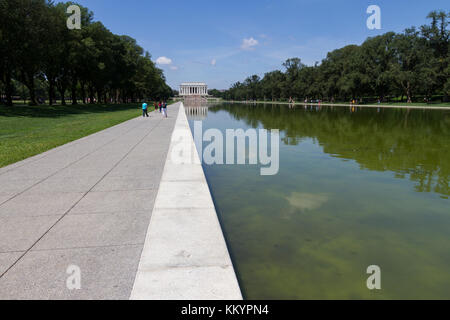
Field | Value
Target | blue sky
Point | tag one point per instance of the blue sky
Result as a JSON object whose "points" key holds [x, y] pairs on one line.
{"points": [[221, 42]]}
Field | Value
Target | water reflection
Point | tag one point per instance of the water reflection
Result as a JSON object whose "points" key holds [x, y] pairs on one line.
{"points": [[196, 113], [415, 144]]}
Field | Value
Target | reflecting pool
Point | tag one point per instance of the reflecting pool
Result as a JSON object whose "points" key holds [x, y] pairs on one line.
{"points": [[356, 187]]}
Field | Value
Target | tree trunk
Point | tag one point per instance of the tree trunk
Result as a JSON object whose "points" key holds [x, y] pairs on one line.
{"points": [[91, 95], [408, 92], [74, 94], [99, 96], [62, 91], [8, 89], [83, 92], [30, 87], [51, 91], [28, 80]]}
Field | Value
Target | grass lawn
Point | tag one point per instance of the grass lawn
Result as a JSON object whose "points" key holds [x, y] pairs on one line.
{"points": [[26, 131]]}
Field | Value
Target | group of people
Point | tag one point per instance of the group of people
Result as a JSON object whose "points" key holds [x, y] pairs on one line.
{"points": [[162, 106]]}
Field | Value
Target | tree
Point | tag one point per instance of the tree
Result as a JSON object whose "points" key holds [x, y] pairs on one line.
{"points": [[39, 50], [437, 36], [378, 58], [411, 63]]}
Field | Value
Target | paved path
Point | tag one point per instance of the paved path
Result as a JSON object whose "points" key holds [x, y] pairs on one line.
{"points": [[87, 203]]}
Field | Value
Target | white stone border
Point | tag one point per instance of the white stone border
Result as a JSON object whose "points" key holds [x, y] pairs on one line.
{"points": [[185, 256]]}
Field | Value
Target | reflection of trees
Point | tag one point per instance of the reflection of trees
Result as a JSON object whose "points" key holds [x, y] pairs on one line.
{"points": [[414, 144]]}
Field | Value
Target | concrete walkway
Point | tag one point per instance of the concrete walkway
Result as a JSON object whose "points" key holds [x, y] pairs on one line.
{"points": [[88, 204]]}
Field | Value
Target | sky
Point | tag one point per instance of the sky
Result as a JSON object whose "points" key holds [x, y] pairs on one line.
{"points": [[222, 42]]}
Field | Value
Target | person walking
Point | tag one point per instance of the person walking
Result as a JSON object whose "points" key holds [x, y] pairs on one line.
{"points": [[164, 109], [160, 106], [144, 110]]}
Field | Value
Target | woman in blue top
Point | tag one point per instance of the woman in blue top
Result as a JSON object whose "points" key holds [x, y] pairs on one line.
{"points": [[144, 110]]}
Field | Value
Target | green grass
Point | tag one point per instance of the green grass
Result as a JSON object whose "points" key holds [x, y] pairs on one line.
{"points": [[26, 131]]}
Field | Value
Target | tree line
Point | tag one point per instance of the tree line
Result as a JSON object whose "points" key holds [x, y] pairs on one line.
{"points": [[410, 66], [42, 58]]}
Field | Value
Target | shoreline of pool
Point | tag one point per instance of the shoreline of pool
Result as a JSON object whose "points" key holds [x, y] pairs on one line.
{"points": [[340, 105]]}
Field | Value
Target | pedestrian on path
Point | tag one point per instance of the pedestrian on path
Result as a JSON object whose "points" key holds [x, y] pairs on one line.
{"points": [[164, 109], [144, 110], [160, 106]]}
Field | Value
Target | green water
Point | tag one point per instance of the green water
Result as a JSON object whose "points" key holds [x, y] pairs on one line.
{"points": [[369, 187]]}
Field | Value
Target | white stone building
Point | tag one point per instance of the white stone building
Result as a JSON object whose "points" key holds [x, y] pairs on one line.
{"points": [[193, 89]]}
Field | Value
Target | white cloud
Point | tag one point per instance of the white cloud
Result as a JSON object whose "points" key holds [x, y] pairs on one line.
{"points": [[249, 44], [213, 62], [164, 61], [174, 68]]}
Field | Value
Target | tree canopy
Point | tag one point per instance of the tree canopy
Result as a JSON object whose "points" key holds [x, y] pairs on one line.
{"points": [[40, 53], [413, 65]]}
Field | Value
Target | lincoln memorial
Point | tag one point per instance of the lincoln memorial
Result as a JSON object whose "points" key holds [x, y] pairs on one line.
{"points": [[193, 89]]}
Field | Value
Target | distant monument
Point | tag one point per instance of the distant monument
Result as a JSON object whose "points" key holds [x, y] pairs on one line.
{"points": [[193, 89], [194, 93]]}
